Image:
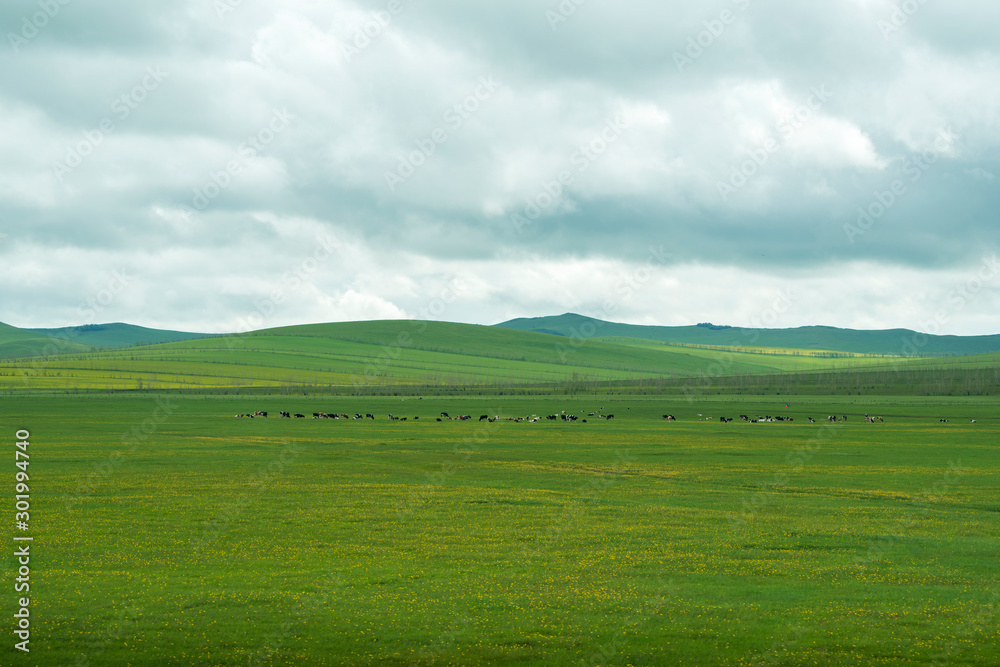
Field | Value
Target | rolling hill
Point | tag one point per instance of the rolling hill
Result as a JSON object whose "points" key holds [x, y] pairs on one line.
{"points": [[389, 355], [16, 342], [890, 342], [118, 334]]}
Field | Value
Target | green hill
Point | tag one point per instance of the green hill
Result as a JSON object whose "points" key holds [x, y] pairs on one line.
{"points": [[16, 342], [368, 355], [891, 342], [400, 355], [118, 334]]}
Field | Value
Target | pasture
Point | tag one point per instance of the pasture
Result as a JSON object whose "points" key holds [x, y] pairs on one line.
{"points": [[169, 532], [363, 356]]}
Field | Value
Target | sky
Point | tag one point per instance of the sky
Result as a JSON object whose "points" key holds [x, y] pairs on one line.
{"points": [[229, 165]]}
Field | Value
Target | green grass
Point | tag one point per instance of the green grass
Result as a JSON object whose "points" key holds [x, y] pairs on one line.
{"points": [[117, 334], [16, 342], [892, 342], [222, 541], [364, 356], [766, 359]]}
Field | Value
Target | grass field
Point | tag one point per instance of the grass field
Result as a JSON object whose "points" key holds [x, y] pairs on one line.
{"points": [[20, 342], [168, 532], [364, 357], [877, 342]]}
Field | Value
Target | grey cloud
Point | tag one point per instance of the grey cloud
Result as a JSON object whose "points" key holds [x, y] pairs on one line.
{"points": [[361, 117]]}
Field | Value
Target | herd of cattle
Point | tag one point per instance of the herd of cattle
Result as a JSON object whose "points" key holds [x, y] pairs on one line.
{"points": [[564, 416]]}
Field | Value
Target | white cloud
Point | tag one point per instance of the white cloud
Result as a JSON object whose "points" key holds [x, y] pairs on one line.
{"points": [[446, 228]]}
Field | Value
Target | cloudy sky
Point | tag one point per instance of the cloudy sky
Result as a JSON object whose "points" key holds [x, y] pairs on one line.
{"points": [[222, 165]]}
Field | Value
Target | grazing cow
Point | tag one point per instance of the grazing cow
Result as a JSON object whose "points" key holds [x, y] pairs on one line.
{"points": [[610, 417], [445, 414], [370, 416], [482, 417], [299, 415]]}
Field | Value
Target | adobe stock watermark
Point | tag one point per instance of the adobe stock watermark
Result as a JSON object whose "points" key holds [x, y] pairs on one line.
{"points": [[453, 118], [388, 354], [725, 363], [444, 643], [550, 192], [131, 440], [983, 621], [225, 7], [625, 287], [32, 25], [122, 107], [714, 28], [368, 33], [325, 248], [959, 296], [779, 652], [464, 451], [630, 628], [89, 309], [563, 12], [257, 483], [759, 157], [900, 16], [246, 153], [914, 168], [118, 282], [878, 548], [125, 621], [588, 493], [278, 640], [796, 461]]}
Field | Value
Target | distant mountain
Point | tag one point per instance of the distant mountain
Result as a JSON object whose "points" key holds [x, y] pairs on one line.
{"points": [[16, 342], [881, 342], [375, 356], [117, 334]]}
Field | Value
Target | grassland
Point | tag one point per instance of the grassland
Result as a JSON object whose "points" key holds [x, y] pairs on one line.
{"points": [[116, 335], [168, 532], [410, 356], [890, 342], [16, 342]]}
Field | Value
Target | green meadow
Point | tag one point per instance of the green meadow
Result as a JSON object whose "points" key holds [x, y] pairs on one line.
{"points": [[167, 531], [434, 357]]}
